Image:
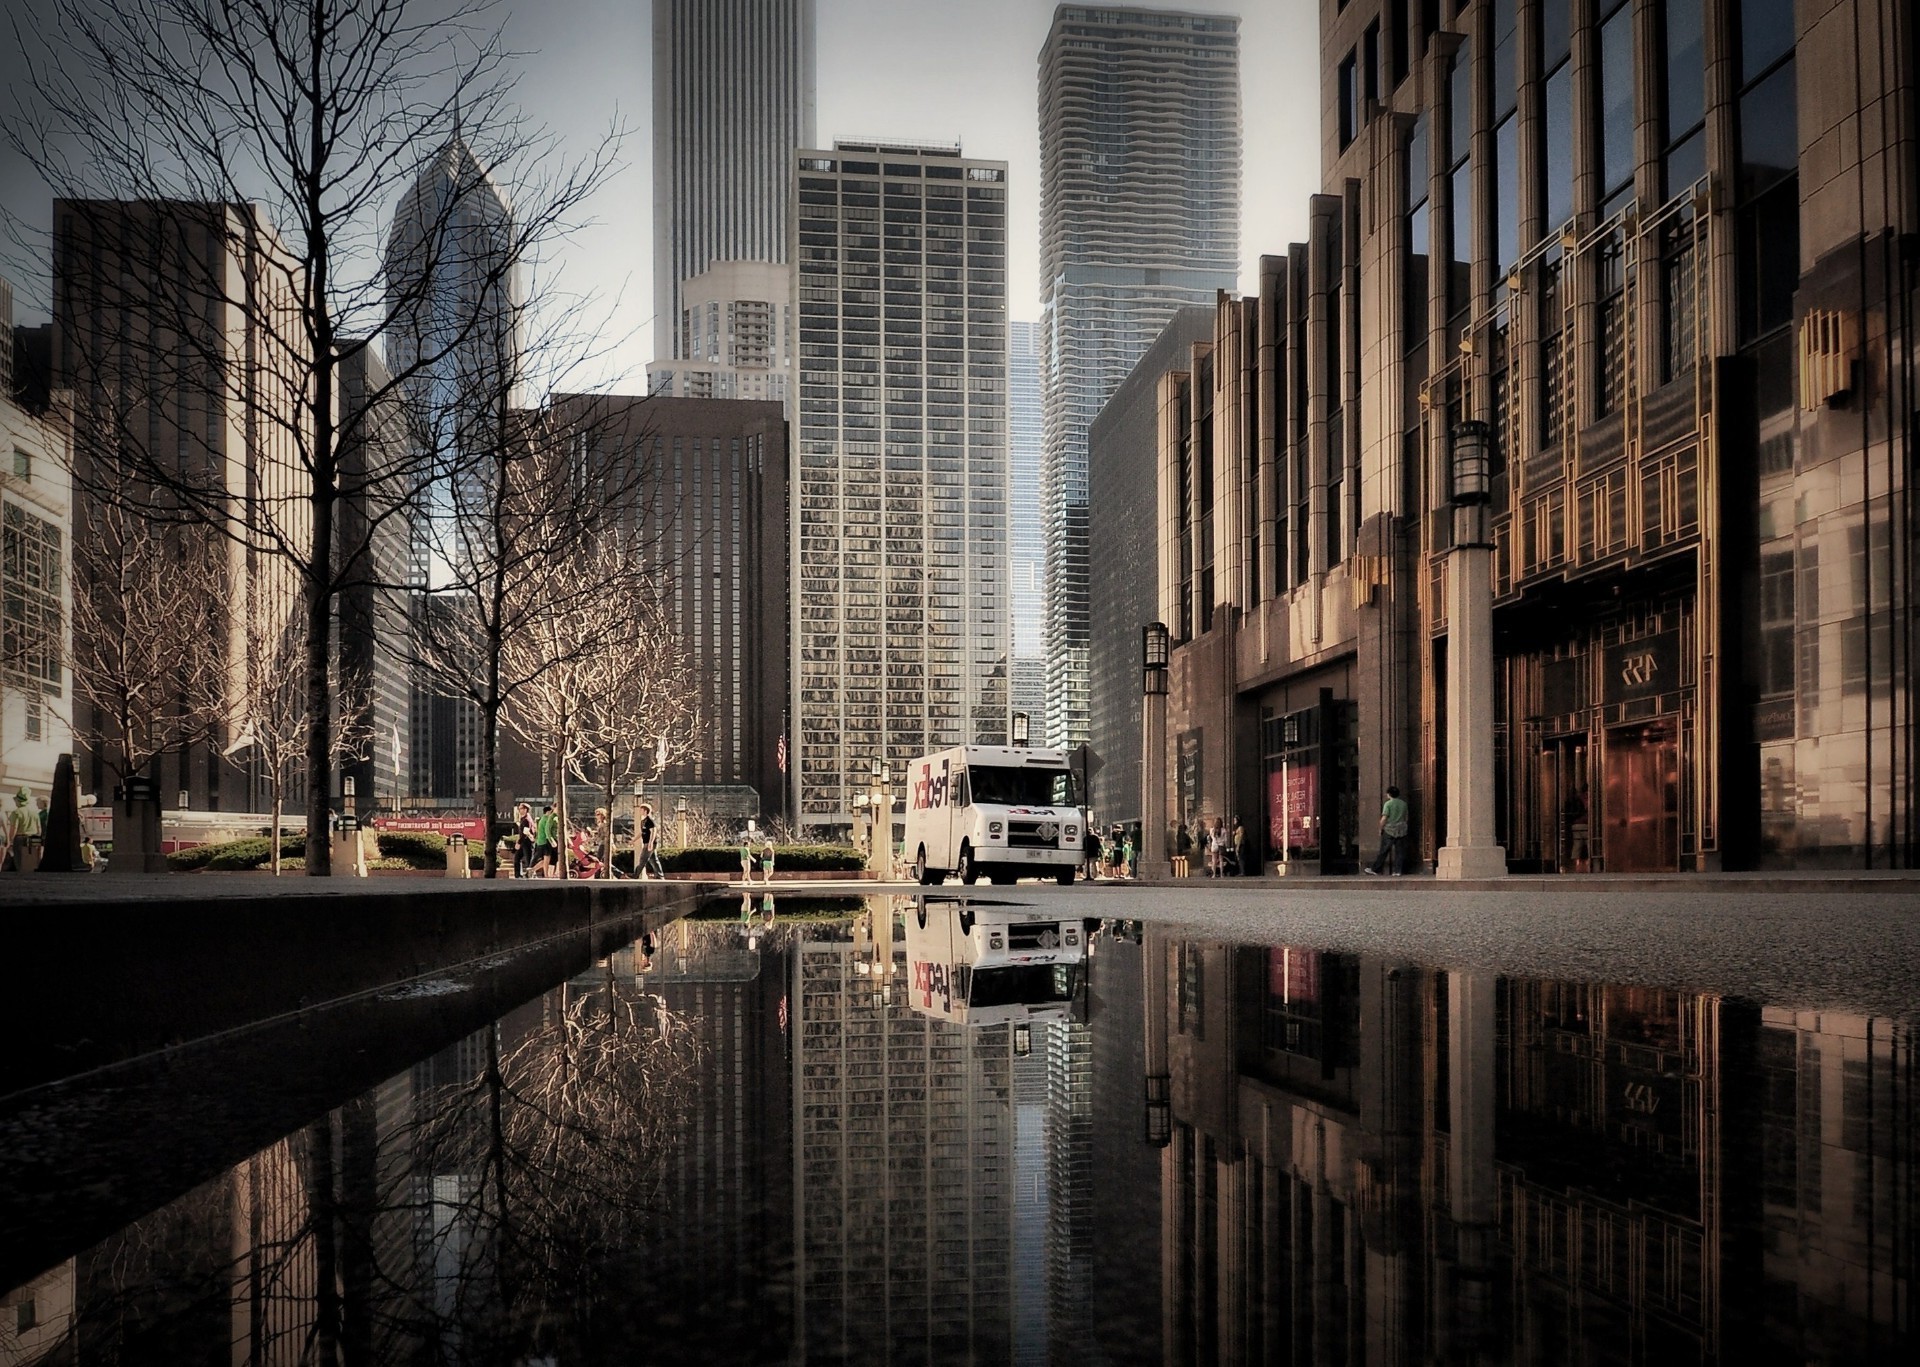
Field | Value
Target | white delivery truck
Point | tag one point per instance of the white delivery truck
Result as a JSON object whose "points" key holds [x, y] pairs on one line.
{"points": [[988, 965], [1007, 811]]}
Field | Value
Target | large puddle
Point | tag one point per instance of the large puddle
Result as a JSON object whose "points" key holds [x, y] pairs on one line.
{"points": [[994, 1137]]}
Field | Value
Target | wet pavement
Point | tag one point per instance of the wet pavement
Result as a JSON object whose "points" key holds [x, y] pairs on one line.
{"points": [[1380, 1123]]}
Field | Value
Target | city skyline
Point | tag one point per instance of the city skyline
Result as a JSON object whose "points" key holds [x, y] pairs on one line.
{"points": [[584, 66]]}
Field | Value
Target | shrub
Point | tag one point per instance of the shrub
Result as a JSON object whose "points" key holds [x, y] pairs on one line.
{"points": [[254, 852], [414, 849]]}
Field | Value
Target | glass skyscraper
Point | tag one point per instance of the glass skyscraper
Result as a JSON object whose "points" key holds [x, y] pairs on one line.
{"points": [[1139, 215], [1025, 449]]}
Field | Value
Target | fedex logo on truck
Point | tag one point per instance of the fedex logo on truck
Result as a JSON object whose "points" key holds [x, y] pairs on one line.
{"points": [[930, 789]]}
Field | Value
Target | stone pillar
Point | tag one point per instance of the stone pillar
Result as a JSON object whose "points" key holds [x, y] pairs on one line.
{"points": [[1470, 851], [1153, 786]]}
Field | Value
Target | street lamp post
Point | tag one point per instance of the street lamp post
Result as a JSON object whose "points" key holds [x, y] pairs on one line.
{"points": [[1156, 646], [880, 809], [1022, 728], [1470, 851], [680, 810]]}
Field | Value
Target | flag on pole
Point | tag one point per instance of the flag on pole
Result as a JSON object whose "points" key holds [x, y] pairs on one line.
{"points": [[780, 753]]}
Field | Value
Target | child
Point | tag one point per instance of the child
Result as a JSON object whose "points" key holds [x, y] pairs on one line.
{"points": [[766, 860]]}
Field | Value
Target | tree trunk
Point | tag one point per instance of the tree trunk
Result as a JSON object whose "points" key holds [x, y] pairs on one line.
{"points": [[560, 775], [606, 854], [279, 806], [490, 774]]}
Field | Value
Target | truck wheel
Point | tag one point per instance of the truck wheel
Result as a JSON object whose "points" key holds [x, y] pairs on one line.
{"points": [[920, 873], [1065, 877], [969, 869], [920, 911]]}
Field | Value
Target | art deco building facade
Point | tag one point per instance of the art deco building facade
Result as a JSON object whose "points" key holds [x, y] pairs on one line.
{"points": [[732, 101], [736, 336], [900, 467], [1139, 215], [163, 334], [1658, 250]]}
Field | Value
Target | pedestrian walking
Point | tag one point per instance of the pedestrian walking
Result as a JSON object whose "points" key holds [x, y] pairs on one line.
{"points": [[1090, 852], [1240, 848], [1130, 855], [766, 863], [546, 844], [18, 824], [746, 860], [523, 839], [1217, 849], [1393, 834], [648, 859]]}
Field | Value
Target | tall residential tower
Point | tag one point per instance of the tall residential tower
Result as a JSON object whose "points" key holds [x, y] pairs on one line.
{"points": [[1025, 449], [900, 493], [1139, 215], [732, 101]]}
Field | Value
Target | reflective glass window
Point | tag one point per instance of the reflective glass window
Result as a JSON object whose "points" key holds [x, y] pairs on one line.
{"points": [[1769, 133], [1559, 147], [1506, 206], [1766, 35], [1616, 99]]}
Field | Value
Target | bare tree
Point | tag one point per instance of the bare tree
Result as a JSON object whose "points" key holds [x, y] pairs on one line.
{"points": [[148, 676], [222, 168], [609, 691], [270, 715], [528, 498]]}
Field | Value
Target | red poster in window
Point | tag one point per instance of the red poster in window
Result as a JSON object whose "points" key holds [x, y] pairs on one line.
{"points": [[1293, 975], [1293, 804]]}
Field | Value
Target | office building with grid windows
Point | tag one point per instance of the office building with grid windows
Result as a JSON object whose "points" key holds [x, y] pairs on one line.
{"points": [[900, 469], [1139, 216], [1665, 253]]}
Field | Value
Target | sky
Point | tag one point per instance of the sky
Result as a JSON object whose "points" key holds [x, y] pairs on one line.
{"points": [[935, 70]]}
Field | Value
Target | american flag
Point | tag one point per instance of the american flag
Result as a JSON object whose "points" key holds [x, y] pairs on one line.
{"points": [[780, 753]]}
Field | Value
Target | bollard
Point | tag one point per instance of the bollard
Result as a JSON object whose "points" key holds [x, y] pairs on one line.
{"points": [[349, 851], [457, 856]]}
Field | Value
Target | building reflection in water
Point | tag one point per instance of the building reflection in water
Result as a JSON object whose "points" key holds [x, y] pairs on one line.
{"points": [[1370, 1162], [744, 1142]]}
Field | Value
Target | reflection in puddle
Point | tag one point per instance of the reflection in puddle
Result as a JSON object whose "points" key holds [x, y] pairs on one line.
{"points": [[945, 1131]]}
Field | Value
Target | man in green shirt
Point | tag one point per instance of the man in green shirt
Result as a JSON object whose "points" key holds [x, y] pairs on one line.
{"points": [[1393, 834]]}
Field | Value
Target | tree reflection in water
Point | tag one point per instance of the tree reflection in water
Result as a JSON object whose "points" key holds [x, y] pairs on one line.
{"points": [[485, 1212]]}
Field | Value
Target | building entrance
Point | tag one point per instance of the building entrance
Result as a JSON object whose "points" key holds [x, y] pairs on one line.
{"points": [[1641, 812], [1563, 806]]}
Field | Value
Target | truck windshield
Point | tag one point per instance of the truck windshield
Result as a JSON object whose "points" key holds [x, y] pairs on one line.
{"points": [[1023, 984], [1021, 787]]}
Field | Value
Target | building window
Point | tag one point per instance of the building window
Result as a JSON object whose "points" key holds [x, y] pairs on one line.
{"points": [[1397, 35], [1419, 236], [1679, 287], [32, 624], [1349, 100], [1616, 103], [1370, 62], [22, 464], [1556, 150], [1553, 356], [1460, 180], [1610, 290], [1768, 217], [1684, 49]]}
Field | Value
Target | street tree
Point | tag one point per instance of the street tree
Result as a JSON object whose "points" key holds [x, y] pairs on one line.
{"points": [[148, 672]]}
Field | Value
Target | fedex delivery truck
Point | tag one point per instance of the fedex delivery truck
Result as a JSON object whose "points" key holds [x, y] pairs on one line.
{"points": [[989, 965], [1003, 810]]}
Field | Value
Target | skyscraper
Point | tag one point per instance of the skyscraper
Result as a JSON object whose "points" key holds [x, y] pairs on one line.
{"points": [[1139, 215], [736, 335], [900, 521], [732, 101], [1025, 449], [453, 340]]}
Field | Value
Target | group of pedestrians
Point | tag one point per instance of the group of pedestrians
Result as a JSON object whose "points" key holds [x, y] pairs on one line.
{"points": [[1117, 856], [538, 844]]}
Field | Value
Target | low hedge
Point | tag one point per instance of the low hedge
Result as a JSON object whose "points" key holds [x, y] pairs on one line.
{"points": [[252, 853]]}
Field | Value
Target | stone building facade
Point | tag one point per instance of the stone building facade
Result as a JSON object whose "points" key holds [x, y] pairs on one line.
{"points": [[1665, 251]]}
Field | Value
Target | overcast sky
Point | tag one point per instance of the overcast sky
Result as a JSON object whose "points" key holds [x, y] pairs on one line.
{"points": [[911, 69]]}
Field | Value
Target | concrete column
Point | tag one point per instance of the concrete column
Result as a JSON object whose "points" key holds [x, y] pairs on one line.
{"points": [[1470, 851], [1473, 1193]]}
